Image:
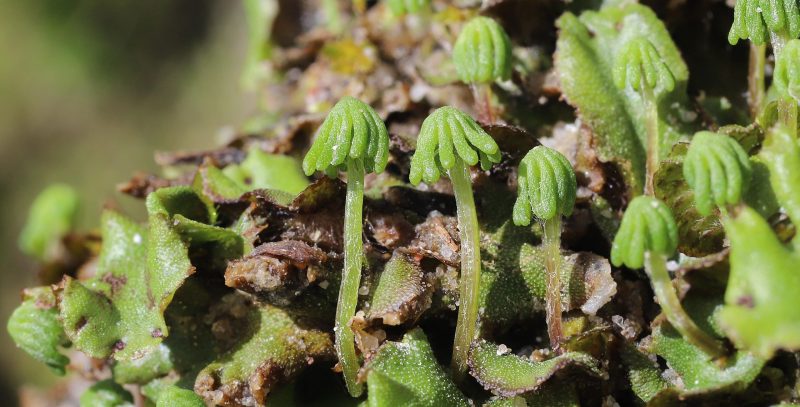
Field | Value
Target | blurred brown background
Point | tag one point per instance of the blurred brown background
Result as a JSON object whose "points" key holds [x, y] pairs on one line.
{"points": [[88, 90]]}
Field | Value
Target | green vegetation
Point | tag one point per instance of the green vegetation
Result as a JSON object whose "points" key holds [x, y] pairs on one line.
{"points": [[260, 279], [546, 189]]}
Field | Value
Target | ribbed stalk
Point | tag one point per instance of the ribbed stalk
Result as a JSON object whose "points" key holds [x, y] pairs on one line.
{"points": [[351, 276], [655, 266], [470, 267], [552, 258]]}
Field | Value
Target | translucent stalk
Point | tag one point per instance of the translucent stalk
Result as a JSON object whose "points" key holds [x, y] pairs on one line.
{"points": [[351, 277], [655, 266], [470, 267], [778, 41], [755, 78], [651, 128], [787, 114], [552, 256], [482, 94]]}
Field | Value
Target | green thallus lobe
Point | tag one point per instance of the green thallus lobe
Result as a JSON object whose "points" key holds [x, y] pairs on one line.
{"points": [[546, 190], [639, 64], [717, 169], [482, 55], [647, 236], [352, 138], [449, 142]]}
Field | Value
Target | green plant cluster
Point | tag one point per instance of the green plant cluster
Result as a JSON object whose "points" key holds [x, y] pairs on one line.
{"points": [[616, 237]]}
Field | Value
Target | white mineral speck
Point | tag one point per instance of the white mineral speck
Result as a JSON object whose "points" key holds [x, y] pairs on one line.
{"points": [[137, 238]]}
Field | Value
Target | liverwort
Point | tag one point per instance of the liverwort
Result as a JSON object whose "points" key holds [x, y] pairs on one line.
{"points": [[763, 21], [717, 169], [546, 190], [482, 55], [647, 237], [353, 138], [641, 66], [449, 142]]}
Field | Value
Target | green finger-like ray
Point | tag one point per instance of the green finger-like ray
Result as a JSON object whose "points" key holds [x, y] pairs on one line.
{"points": [[647, 226], [482, 52], [640, 63], [758, 20], [445, 136], [352, 131], [717, 169], [547, 185]]}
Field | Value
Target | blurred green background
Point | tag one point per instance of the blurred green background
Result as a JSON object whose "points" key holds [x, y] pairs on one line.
{"points": [[89, 89]]}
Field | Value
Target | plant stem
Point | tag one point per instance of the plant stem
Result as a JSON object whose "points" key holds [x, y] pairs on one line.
{"points": [[755, 78], [653, 145], [787, 114], [470, 267], [778, 41], [351, 276], [552, 256], [655, 266], [482, 93]]}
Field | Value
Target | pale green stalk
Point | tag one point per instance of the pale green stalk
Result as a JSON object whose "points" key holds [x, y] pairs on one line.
{"points": [[351, 276], [651, 127], [787, 114], [552, 256], [470, 267], [755, 78], [655, 266], [778, 41]]}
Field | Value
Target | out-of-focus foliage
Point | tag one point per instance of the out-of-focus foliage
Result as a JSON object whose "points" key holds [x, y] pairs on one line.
{"points": [[178, 397], [52, 215], [640, 65], [763, 287], [106, 393], [262, 170], [787, 70], [402, 7]]}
